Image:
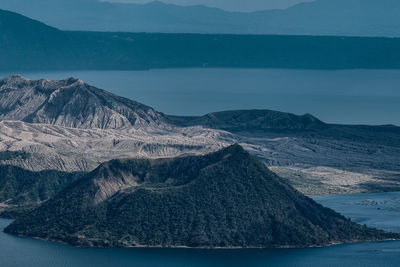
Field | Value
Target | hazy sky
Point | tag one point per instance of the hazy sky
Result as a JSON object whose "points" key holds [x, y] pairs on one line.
{"points": [[232, 5]]}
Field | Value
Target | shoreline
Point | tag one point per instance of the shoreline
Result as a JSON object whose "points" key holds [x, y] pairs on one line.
{"points": [[331, 244]]}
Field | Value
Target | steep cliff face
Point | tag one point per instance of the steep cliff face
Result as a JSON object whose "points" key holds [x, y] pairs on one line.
{"points": [[70, 103]]}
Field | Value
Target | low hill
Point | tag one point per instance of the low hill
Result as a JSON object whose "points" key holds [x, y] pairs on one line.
{"points": [[224, 199], [252, 120], [275, 123]]}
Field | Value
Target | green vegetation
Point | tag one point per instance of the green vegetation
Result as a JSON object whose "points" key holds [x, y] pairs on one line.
{"points": [[9, 155], [224, 199], [21, 190]]}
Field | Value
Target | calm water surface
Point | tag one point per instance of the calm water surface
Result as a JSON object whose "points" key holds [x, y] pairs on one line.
{"points": [[381, 210], [354, 96], [348, 96]]}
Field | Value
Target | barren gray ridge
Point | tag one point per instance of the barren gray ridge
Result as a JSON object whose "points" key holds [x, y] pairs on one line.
{"points": [[70, 103], [70, 126]]}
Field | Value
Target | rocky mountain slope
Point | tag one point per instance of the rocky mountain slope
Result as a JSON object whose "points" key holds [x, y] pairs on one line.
{"points": [[69, 125], [76, 127], [70, 103], [73, 149], [224, 199], [315, 157]]}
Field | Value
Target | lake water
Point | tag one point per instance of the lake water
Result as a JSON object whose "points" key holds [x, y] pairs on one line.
{"points": [[381, 210], [349, 96], [346, 96]]}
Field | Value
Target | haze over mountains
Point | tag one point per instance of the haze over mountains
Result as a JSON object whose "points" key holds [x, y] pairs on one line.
{"points": [[27, 44], [320, 17], [229, 5]]}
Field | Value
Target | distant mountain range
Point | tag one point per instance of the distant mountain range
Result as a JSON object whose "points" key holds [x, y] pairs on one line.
{"points": [[224, 199], [229, 5], [27, 44], [320, 17]]}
